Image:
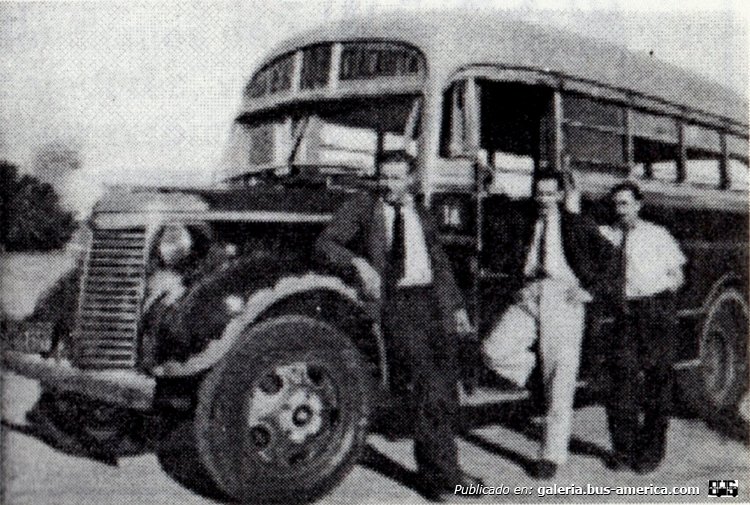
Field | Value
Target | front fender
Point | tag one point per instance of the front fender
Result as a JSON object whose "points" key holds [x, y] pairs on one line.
{"points": [[257, 304], [175, 330]]}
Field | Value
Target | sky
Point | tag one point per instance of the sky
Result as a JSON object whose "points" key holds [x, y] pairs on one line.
{"points": [[145, 92]]}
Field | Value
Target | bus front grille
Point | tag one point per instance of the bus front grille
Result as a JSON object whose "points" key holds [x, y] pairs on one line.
{"points": [[106, 330]]}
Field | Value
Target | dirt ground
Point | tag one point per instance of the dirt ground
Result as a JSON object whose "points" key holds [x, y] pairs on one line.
{"points": [[35, 473]]}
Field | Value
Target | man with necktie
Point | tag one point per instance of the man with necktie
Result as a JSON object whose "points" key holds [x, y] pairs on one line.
{"points": [[647, 272], [561, 267], [388, 245]]}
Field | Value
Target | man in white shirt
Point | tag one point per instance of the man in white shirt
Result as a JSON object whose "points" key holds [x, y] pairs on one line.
{"points": [[388, 245], [647, 271], [560, 266]]}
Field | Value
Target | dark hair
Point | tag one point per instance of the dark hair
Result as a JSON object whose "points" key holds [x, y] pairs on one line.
{"points": [[627, 186], [558, 177]]}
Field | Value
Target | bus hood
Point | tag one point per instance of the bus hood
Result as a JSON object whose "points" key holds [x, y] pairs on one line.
{"points": [[142, 206]]}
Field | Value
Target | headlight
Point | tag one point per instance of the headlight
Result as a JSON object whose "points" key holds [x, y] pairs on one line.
{"points": [[175, 244]]}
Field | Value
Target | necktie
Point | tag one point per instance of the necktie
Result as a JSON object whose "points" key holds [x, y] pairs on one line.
{"points": [[543, 268], [624, 261], [539, 267], [397, 245]]}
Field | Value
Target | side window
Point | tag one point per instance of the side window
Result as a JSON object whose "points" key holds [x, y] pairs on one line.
{"points": [[594, 134], [738, 178], [737, 164], [703, 172], [664, 171], [454, 130], [655, 146], [703, 156]]}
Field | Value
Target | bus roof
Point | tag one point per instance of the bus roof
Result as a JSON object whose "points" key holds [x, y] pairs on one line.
{"points": [[455, 40]]}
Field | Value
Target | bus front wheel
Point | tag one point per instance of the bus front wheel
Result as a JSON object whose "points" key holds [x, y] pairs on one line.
{"points": [[284, 417]]}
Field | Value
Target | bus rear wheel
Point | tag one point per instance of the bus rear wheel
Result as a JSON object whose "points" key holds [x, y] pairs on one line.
{"points": [[284, 417], [723, 351]]}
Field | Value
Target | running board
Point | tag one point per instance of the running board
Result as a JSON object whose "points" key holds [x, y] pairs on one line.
{"points": [[488, 396]]}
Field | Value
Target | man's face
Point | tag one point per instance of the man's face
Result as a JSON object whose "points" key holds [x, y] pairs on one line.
{"points": [[627, 206], [548, 194], [397, 180]]}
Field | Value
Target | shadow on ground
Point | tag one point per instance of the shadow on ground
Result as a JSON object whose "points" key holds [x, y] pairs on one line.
{"points": [[55, 424], [52, 421]]}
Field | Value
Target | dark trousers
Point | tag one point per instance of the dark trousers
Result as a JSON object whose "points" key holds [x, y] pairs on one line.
{"points": [[424, 358], [641, 378]]}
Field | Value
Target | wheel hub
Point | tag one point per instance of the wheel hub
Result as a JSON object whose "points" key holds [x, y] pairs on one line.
{"points": [[289, 411], [302, 415]]}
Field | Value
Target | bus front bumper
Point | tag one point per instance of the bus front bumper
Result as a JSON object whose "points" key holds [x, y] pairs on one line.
{"points": [[121, 387]]}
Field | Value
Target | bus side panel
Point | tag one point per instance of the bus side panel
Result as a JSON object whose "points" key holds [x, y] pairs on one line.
{"points": [[715, 243]]}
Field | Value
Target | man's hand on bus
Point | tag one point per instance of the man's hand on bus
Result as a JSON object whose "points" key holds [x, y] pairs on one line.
{"points": [[572, 198], [369, 277]]}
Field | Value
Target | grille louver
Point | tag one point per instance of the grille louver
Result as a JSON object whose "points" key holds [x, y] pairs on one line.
{"points": [[106, 333]]}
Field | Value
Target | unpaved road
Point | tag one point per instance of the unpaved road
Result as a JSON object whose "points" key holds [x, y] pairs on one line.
{"points": [[35, 473]]}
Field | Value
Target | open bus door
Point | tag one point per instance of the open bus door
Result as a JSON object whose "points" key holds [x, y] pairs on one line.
{"points": [[517, 134]]}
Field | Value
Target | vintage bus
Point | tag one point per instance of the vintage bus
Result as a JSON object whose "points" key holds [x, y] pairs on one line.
{"points": [[205, 304]]}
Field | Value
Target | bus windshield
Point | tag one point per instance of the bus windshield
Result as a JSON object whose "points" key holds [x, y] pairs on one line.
{"points": [[336, 138]]}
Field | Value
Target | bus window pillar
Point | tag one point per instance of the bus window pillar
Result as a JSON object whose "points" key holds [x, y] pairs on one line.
{"points": [[629, 148], [428, 139], [682, 153], [556, 155], [473, 116], [723, 162], [334, 71]]}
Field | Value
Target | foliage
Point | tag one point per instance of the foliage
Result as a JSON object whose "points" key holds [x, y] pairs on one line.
{"points": [[31, 218]]}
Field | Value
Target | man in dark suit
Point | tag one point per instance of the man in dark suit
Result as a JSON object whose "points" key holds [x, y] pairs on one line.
{"points": [[389, 245], [561, 261]]}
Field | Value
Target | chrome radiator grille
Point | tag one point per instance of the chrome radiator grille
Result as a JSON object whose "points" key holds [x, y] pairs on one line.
{"points": [[106, 332]]}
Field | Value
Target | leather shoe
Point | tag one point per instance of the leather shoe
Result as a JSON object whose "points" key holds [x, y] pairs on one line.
{"points": [[618, 463], [544, 469]]}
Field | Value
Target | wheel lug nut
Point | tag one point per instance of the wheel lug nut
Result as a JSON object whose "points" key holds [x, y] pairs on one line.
{"points": [[271, 383], [260, 436]]}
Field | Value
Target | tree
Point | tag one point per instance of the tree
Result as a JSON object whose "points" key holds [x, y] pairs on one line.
{"points": [[31, 218], [8, 182]]}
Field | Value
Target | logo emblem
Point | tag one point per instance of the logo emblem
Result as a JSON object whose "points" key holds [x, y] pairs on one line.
{"points": [[723, 488]]}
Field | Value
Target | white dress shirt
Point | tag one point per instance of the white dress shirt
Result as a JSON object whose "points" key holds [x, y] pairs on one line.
{"points": [[653, 258], [417, 264]]}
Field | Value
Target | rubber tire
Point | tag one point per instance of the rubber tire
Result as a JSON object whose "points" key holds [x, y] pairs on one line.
{"points": [[221, 428], [730, 350]]}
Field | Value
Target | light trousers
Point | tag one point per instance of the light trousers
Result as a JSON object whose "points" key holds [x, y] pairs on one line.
{"points": [[553, 312], [561, 313]]}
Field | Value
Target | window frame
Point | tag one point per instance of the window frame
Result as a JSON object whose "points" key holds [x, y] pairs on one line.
{"points": [[677, 119]]}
